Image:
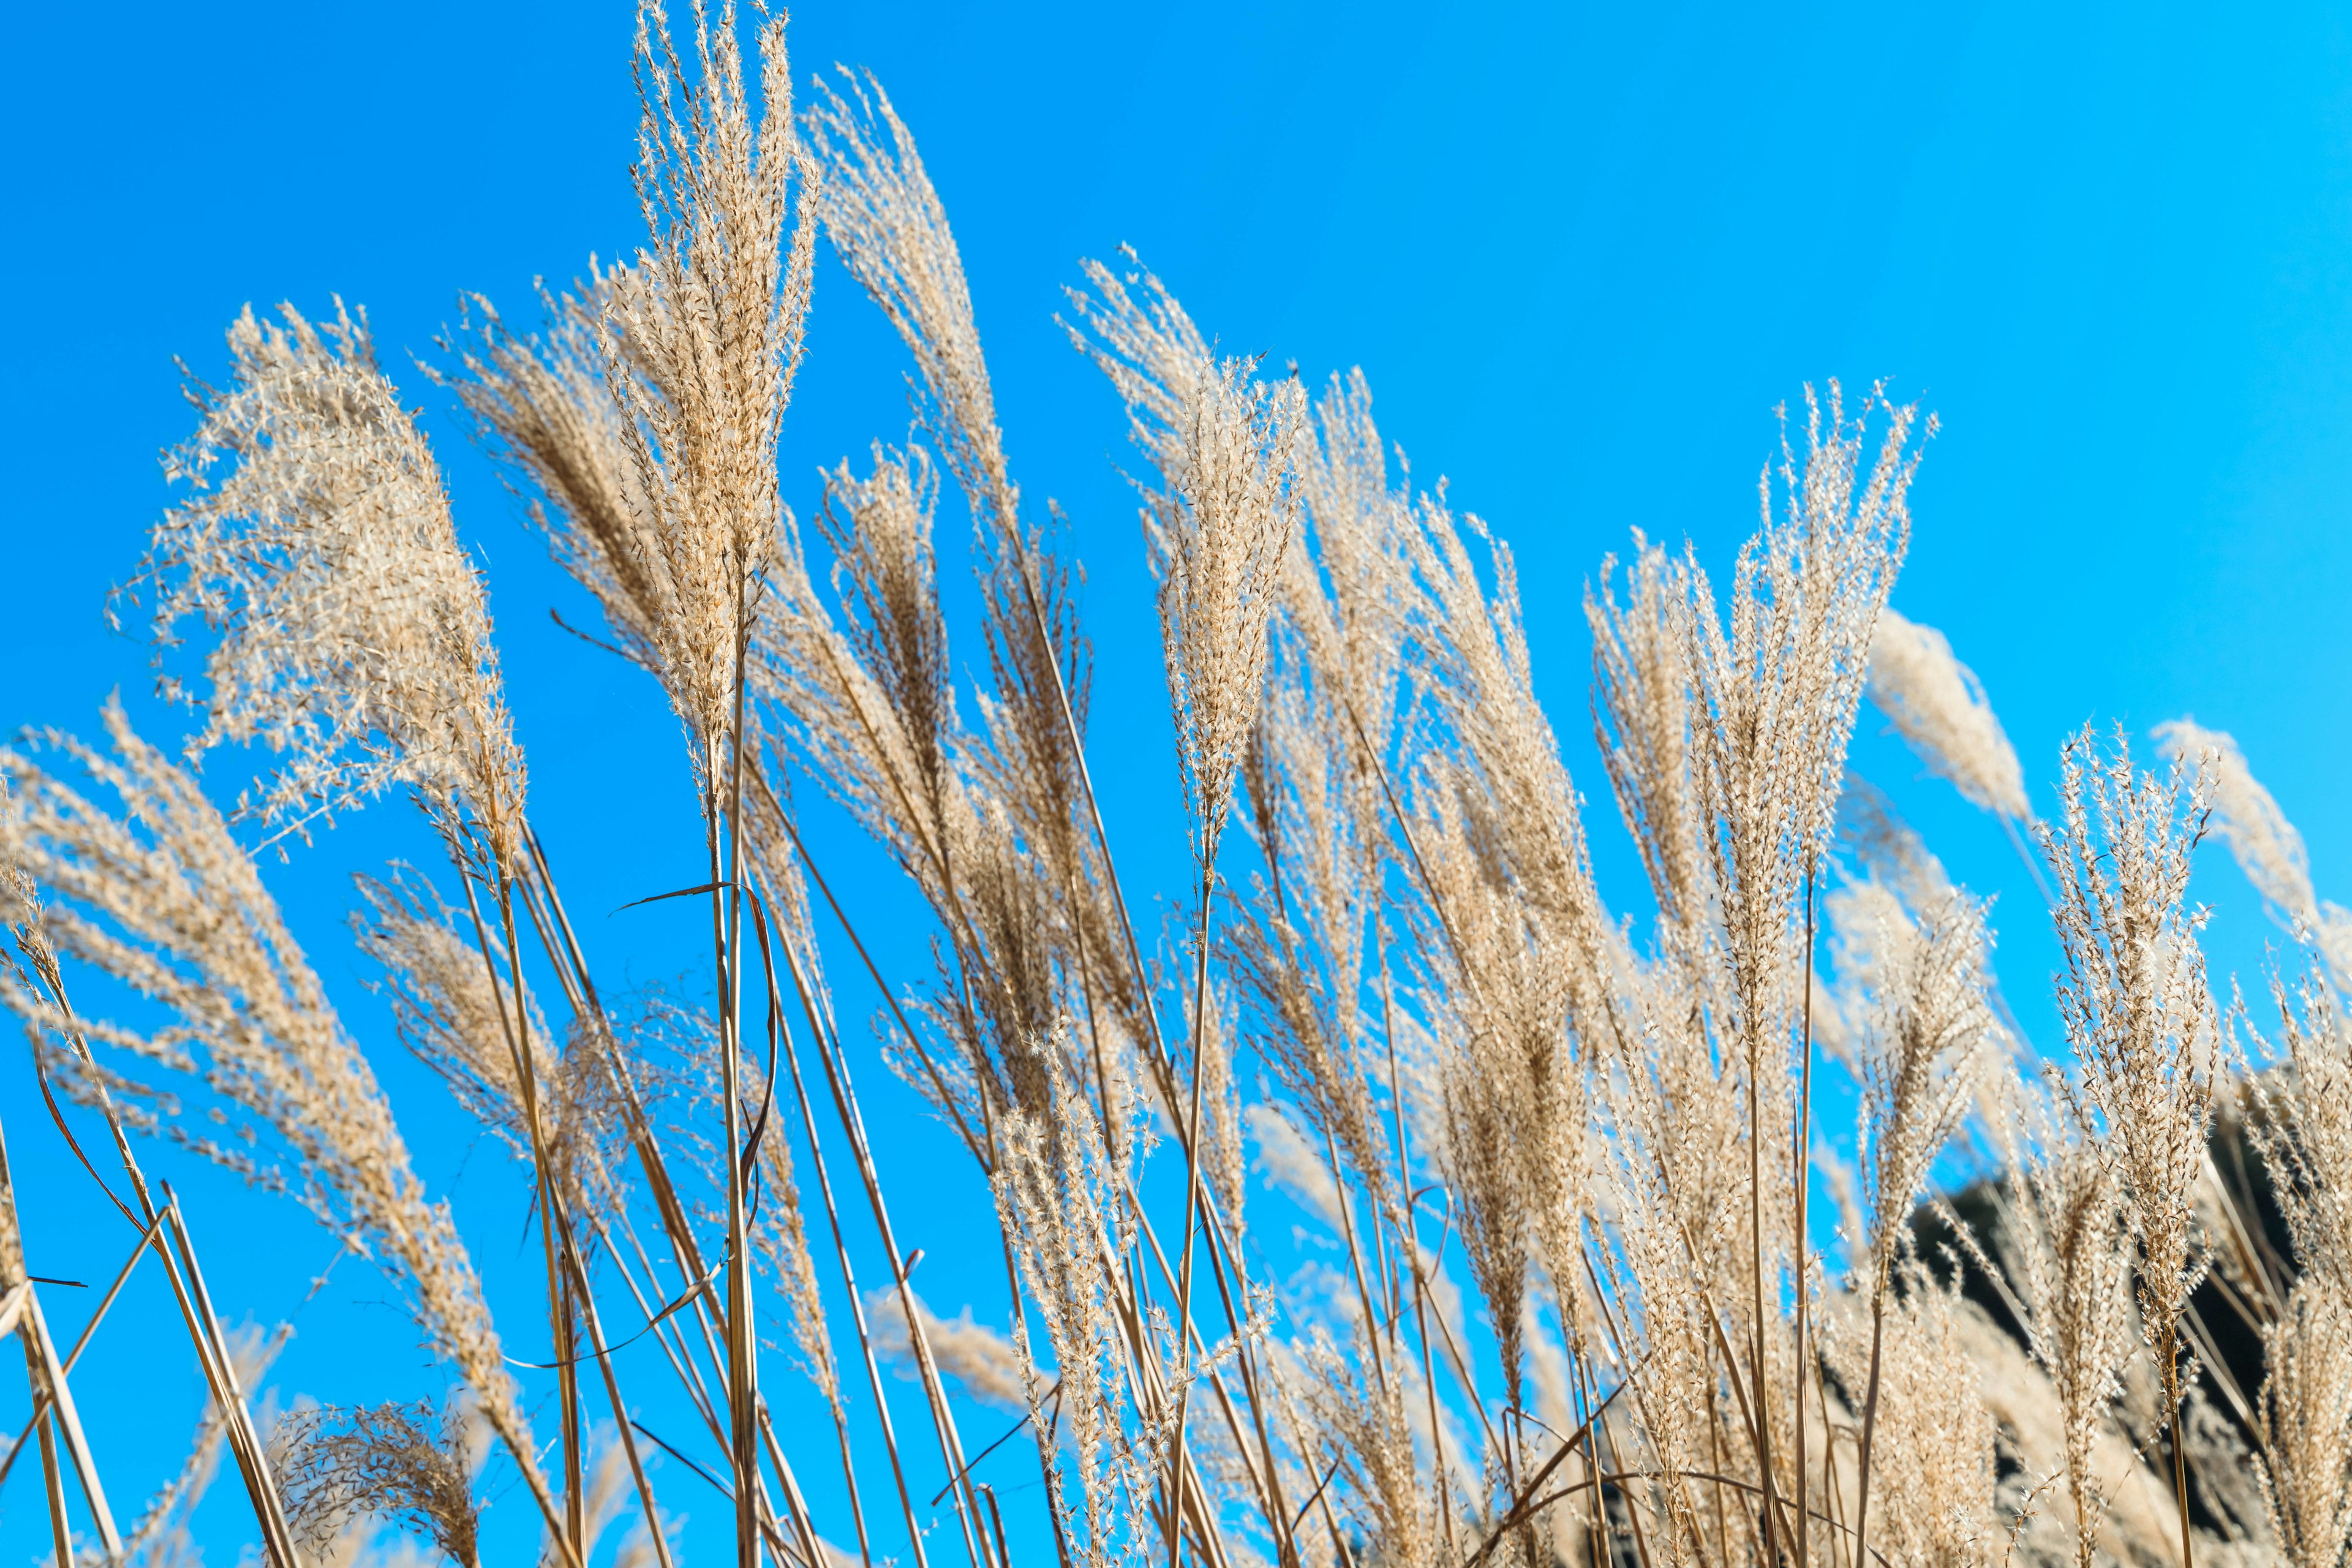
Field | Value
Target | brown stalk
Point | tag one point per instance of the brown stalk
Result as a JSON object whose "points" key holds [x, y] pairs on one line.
{"points": [[1751, 1416], [1191, 1175], [1620, 1476], [1267, 1488], [612, 1392], [1832, 1499], [1870, 1414], [1760, 1419], [920, 1345], [2169, 1349], [572, 963], [889, 998], [1633, 1510], [9, 1315], [1804, 1189], [682, 1363], [34, 1330], [220, 1372], [1356, 1256], [741, 1379], [1044, 1462], [53, 1484], [845, 1100], [1523, 1506], [1617, 1343], [261, 1486], [793, 1498], [48, 1384], [857, 1307], [1411, 1242], [559, 1305], [925, 1363]]}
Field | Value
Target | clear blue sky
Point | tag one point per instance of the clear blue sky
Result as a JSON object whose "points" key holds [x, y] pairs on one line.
{"points": [[1580, 252]]}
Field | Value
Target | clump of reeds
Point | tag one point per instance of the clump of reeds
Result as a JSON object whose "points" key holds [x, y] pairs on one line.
{"points": [[1580, 1302]]}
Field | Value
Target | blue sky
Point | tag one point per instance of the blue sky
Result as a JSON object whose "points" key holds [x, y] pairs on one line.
{"points": [[1581, 252]]}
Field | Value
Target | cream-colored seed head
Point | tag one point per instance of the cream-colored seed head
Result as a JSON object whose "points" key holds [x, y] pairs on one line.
{"points": [[1938, 705], [2247, 819], [1225, 444], [354, 631], [164, 900]]}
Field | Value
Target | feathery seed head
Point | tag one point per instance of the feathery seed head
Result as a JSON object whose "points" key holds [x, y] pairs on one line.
{"points": [[984, 1361], [1940, 708], [2133, 996], [701, 348], [1218, 525], [887, 223], [353, 631], [339, 1466], [542, 404], [2304, 1419], [1920, 1050], [164, 900], [2247, 819]]}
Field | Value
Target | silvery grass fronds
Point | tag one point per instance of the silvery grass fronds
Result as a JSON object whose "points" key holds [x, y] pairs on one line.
{"points": [[1890, 849], [890, 231], [1024, 768], [876, 699], [1347, 584], [780, 1233], [1920, 1048], [984, 1361], [1777, 680], [2245, 816], [1763, 695], [1363, 1428], [454, 1008], [2071, 1241], [1225, 446], [1297, 964], [353, 632], [1058, 1206], [1935, 1446], [1315, 770], [451, 1012], [2138, 1014], [2261, 838], [888, 226], [981, 821], [1917, 1053], [1488, 744], [166, 900], [1900, 868], [2304, 1419], [543, 405], [867, 701], [2302, 1126], [1641, 695], [410, 1463], [677, 1046], [701, 347], [2133, 996], [1939, 707], [1514, 928]]}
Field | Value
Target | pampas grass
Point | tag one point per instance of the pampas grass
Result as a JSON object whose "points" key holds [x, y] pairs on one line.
{"points": [[1554, 1143]]}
